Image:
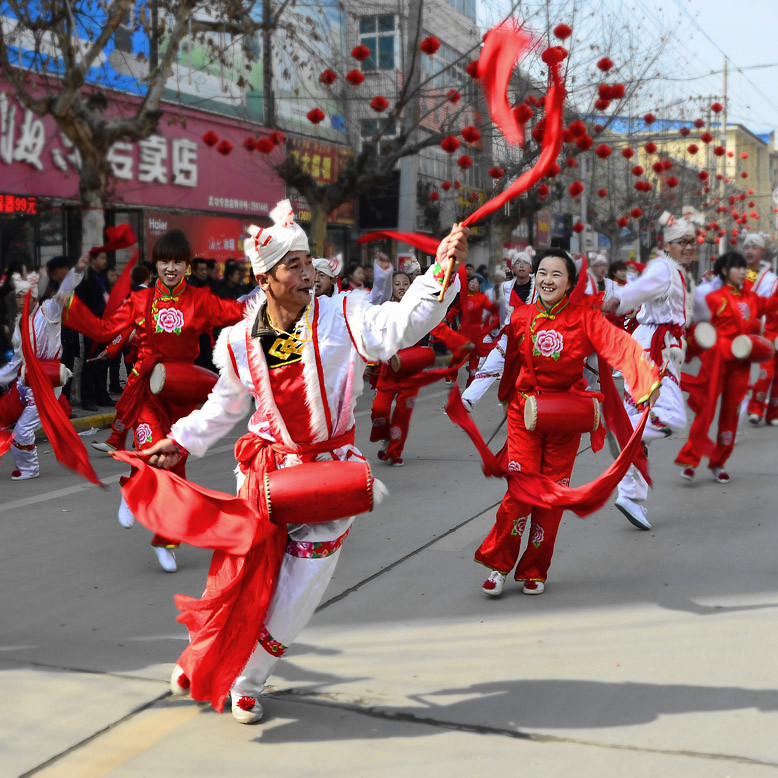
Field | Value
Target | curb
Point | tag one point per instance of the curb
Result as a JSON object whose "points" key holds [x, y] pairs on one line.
{"points": [[81, 423]]}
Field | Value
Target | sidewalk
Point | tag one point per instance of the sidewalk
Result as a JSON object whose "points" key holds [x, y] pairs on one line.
{"points": [[83, 420]]}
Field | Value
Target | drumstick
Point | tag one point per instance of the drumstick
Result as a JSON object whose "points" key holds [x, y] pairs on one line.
{"points": [[446, 278]]}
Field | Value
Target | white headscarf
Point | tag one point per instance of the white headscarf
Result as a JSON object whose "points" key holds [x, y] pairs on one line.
{"points": [[408, 264], [330, 267], [755, 239], [676, 228], [523, 257], [23, 285], [267, 246]]}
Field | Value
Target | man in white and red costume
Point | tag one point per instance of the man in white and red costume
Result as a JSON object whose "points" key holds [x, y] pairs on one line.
{"points": [[762, 282], [17, 404], [665, 310], [299, 362], [519, 290]]}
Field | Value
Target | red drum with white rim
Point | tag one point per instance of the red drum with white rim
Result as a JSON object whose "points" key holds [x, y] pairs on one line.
{"points": [[55, 371], [181, 382], [412, 360], [752, 348], [319, 491], [703, 334], [561, 412]]}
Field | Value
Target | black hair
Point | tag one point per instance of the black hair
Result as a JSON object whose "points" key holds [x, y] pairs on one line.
{"points": [[572, 272], [352, 266], [230, 266], [210, 263], [728, 260], [140, 274], [400, 273], [619, 264], [173, 245], [197, 261], [57, 262]]}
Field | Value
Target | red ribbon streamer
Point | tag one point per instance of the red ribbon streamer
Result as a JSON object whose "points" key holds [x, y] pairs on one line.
{"points": [[121, 240], [68, 448], [425, 243], [537, 489]]}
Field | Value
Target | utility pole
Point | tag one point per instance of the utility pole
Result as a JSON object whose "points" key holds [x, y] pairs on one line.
{"points": [[723, 142], [268, 100]]}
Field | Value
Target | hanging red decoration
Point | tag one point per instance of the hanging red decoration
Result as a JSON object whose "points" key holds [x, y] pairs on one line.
{"points": [[472, 69], [539, 130], [743, 155], [657, 167], [585, 143], [577, 128], [543, 191], [628, 153], [603, 151], [750, 191], [730, 153], [672, 182], [471, 134], [643, 186], [249, 143], [719, 151], [554, 55], [523, 113], [474, 197], [667, 164], [578, 227], [553, 170], [562, 31], [496, 172], [649, 118], [224, 147], [602, 105], [571, 162], [457, 184], [744, 174], [692, 148], [576, 189], [636, 213], [703, 175], [454, 96], [605, 64], [360, 53], [434, 197], [685, 131], [210, 138], [650, 147], [465, 162], [617, 92], [328, 77], [315, 116], [717, 108], [265, 145], [604, 92], [355, 77], [598, 128], [699, 123], [622, 221], [277, 137], [706, 137], [445, 186], [637, 170], [450, 144], [602, 193], [430, 45], [379, 103]]}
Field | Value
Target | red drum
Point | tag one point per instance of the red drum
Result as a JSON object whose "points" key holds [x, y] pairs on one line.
{"points": [[561, 412], [752, 348], [319, 491], [181, 382], [412, 360], [10, 406], [55, 371], [703, 335]]}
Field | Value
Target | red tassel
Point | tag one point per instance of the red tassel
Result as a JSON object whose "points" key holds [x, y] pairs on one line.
{"points": [[67, 446]]}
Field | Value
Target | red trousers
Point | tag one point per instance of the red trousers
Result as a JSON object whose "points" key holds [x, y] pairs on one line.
{"points": [[552, 455], [392, 425], [154, 422], [734, 383], [765, 396]]}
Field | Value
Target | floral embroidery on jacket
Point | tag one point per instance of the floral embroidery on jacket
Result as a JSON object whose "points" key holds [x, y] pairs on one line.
{"points": [[548, 343], [169, 320]]}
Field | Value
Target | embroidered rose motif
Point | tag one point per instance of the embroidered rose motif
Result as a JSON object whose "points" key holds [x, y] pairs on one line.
{"points": [[745, 311], [170, 320], [519, 525], [536, 535], [548, 343], [726, 438], [142, 434], [514, 466]]}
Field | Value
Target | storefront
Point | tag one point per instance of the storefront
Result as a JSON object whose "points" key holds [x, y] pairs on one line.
{"points": [[172, 178]]}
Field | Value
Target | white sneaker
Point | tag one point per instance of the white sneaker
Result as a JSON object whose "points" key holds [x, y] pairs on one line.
{"points": [[166, 559], [104, 447], [773, 422], [534, 587], [246, 710], [468, 405], [179, 682], [754, 418], [494, 584], [126, 519], [635, 512], [18, 475]]}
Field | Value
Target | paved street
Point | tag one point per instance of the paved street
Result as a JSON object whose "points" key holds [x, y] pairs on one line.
{"points": [[650, 653]]}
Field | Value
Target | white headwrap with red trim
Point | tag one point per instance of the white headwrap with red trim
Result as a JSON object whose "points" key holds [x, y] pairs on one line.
{"points": [[23, 285], [267, 246], [684, 226]]}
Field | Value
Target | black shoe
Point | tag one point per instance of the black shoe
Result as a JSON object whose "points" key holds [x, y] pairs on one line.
{"points": [[106, 401], [88, 407], [115, 389]]}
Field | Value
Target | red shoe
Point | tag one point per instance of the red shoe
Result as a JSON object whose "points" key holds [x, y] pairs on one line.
{"points": [[382, 455]]}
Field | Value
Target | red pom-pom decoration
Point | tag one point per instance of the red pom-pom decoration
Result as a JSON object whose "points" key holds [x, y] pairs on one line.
{"points": [[471, 134], [496, 172], [430, 45], [743, 155], [360, 53], [685, 131], [277, 137], [553, 171], [457, 184], [210, 138], [650, 147], [717, 108], [584, 143], [603, 151], [472, 69], [699, 123], [706, 137], [667, 164], [602, 193], [576, 189], [249, 143], [562, 31], [637, 170], [577, 128], [379, 103], [434, 196], [719, 151], [602, 105], [315, 116], [617, 92], [605, 64], [604, 92], [623, 221], [672, 182], [628, 153], [578, 227], [445, 186], [649, 118], [265, 145], [523, 113], [355, 77], [464, 162], [692, 148], [744, 174], [328, 77], [450, 144], [636, 213], [543, 191], [598, 128], [453, 96], [657, 167], [571, 162], [224, 147], [554, 55]]}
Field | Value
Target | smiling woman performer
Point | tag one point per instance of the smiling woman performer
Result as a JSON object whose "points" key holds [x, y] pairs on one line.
{"points": [[169, 319], [299, 361], [548, 342]]}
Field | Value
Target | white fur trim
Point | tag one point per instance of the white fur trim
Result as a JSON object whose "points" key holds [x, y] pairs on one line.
{"points": [[222, 360], [313, 391], [380, 492]]}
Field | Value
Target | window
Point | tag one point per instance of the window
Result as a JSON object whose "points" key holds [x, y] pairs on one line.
{"points": [[378, 34], [467, 7], [446, 68]]}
